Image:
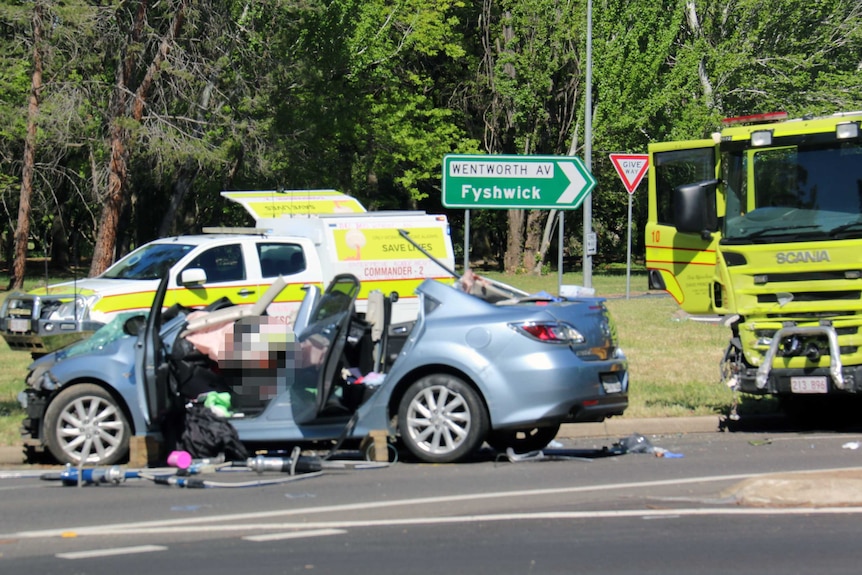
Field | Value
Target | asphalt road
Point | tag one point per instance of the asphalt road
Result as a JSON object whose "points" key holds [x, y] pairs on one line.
{"points": [[579, 508]]}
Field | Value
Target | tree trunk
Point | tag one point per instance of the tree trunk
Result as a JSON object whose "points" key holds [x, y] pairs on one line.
{"points": [[696, 30], [532, 240], [186, 176], [552, 216], [106, 240], [514, 247], [546, 241], [59, 244], [22, 229]]}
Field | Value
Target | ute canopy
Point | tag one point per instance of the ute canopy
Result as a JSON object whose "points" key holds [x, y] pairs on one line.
{"points": [[263, 205]]}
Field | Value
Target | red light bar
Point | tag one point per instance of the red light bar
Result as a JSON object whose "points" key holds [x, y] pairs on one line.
{"points": [[755, 118]]}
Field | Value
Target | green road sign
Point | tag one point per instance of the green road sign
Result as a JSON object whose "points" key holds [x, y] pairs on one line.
{"points": [[515, 182]]}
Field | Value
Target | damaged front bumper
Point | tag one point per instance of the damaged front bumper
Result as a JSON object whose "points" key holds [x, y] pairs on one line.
{"points": [[813, 342], [34, 403]]}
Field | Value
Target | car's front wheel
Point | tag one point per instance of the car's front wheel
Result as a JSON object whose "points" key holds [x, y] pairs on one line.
{"points": [[441, 419], [84, 424], [523, 440]]}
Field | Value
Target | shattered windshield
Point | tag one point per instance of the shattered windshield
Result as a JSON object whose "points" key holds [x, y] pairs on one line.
{"points": [[111, 331], [149, 262], [793, 193]]}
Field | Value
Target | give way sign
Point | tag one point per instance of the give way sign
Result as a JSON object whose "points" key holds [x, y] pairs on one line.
{"points": [[631, 168]]}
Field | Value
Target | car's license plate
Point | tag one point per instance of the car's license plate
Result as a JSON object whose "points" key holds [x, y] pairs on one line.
{"points": [[18, 325], [809, 385], [613, 387]]}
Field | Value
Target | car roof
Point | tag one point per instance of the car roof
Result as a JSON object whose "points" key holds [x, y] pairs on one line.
{"points": [[203, 239]]}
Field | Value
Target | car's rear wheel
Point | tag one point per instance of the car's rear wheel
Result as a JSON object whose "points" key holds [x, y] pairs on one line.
{"points": [[84, 424], [523, 440], [441, 419]]}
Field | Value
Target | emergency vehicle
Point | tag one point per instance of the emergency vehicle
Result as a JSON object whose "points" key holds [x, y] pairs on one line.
{"points": [[762, 225], [306, 236]]}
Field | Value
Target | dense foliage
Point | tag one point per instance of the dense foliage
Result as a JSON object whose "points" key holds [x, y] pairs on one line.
{"points": [[143, 111]]}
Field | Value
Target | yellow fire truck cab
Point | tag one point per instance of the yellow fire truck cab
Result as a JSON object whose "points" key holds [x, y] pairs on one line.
{"points": [[762, 224]]}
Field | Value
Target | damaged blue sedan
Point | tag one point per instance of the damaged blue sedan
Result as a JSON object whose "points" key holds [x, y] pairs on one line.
{"points": [[481, 363]]}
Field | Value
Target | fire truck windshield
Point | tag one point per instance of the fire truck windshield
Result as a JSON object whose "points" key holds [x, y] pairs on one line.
{"points": [[792, 193]]}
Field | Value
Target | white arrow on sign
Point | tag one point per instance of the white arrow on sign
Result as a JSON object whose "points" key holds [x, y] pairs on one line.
{"points": [[577, 182]]}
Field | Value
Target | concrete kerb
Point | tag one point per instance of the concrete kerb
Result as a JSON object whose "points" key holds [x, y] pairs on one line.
{"points": [[617, 427], [11, 455], [838, 488]]}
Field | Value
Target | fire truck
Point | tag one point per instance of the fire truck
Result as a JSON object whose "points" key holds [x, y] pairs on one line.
{"points": [[761, 225]]}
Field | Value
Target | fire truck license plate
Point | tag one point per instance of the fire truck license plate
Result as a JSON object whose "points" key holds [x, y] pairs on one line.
{"points": [[808, 385]]}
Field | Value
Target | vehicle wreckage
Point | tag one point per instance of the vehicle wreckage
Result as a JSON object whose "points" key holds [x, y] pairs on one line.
{"points": [[482, 362]]}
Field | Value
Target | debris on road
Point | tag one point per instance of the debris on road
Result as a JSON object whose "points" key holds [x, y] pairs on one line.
{"points": [[637, 443], [199, 473]]}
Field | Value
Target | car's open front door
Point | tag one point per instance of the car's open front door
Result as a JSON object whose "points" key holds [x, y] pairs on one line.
{"points": [[320, 347], [153, 386]]}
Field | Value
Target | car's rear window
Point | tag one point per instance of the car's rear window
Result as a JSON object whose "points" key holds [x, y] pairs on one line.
{"points": [[280, 259]]}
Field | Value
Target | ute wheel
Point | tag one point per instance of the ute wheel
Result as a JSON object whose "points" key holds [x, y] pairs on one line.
{"points": [[441, 419], [522, 440], [85, 419]]}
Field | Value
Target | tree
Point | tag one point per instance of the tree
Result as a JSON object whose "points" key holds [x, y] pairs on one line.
{"points": [[672, 69], [147, 109], [22, 232], [124, 113], [51, 150], [531, 76]]}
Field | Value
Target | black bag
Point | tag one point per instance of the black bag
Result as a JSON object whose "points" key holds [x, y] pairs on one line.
{"points": [[207, 435]]}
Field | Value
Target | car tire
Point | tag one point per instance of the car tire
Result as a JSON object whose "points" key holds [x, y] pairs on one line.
{"points": [[85, 417], [441, 419], [522, 440]]}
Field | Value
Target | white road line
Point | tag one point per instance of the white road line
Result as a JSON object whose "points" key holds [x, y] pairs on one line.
{"points": [[236, 517], [293, 535], [111, 552], [233, 520], [645, 514]]}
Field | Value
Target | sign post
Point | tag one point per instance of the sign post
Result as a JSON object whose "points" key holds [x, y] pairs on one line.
{"points": [[631, 169]]}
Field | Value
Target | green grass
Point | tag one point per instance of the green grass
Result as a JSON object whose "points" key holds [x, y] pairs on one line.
{"points": [[673, 361], [14, 370], [11, 382]]}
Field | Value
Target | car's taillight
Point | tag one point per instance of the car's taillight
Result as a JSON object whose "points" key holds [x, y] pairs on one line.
{"points": [[549, 331]]}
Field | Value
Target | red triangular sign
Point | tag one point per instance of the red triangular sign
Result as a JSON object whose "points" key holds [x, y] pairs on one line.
{"points": [[631, 168]]}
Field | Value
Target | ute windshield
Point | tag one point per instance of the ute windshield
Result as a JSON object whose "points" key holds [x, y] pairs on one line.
{"points": [[149, 262], [793, 193]]}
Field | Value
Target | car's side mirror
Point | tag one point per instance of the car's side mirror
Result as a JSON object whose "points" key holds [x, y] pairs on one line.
{"points": [[193, 276], [134, 325], [694, 208]]}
